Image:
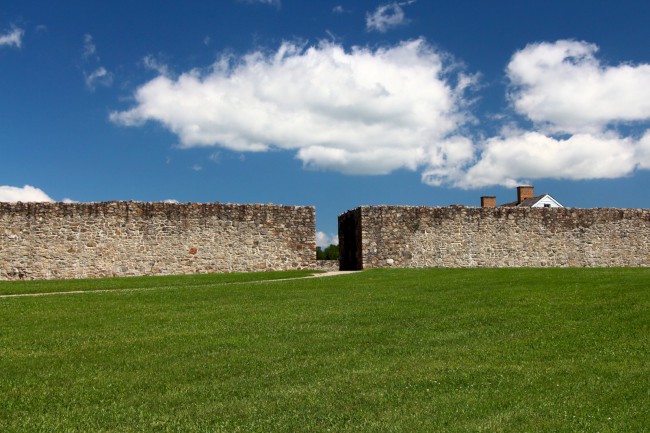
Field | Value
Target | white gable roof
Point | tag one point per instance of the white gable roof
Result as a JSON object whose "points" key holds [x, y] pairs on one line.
{"points": [[546, 200]]}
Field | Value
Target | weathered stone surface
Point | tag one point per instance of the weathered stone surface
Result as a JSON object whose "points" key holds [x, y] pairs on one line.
{"points": [[327, 265], [57, 240], [456, 236]]}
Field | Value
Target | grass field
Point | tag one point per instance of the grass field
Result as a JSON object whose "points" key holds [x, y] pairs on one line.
{"points": [[438, 350], [186, 281]]}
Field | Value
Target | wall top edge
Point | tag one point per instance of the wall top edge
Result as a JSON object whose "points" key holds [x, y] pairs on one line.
{"points": [[494, 209], [136, 204]]}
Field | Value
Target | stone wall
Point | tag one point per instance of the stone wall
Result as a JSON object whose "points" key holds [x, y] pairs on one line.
{"points": [[456, 236], [327, 265], [56, 240]]}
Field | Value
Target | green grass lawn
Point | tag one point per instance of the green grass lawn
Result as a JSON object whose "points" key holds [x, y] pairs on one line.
{"points": [[494, 350], [165, 281]]}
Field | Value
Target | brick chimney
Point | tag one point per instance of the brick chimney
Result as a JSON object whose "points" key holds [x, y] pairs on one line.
{"points": [[488, 201], [524, 192]]}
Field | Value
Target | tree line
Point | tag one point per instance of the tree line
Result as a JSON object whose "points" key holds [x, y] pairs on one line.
{"points": [[329, 253]]}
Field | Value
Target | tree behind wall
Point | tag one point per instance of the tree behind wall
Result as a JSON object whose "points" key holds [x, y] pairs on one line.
{"points": [[330, 253]]}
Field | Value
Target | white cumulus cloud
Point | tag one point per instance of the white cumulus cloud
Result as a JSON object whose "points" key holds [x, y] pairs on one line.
{"points": [[576, 104], [643, 151], [324, 240], [361, 111], [525, 156], [13, 37], [563, 86], [372, 111], [387, 16], [27, 193]]}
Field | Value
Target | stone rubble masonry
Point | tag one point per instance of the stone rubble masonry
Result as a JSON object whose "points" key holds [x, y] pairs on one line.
{"points": [[327, 265], [57, 240], [458, 236]]}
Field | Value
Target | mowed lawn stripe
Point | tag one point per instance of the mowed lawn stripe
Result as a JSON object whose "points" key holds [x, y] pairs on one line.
{"points": [[384, 350], [162, 281]]}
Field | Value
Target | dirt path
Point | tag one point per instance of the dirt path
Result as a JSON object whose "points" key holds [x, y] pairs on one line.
{"points": [[77, 292]]}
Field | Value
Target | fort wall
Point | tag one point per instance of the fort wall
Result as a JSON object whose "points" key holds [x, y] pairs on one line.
{"points": [[457, 236], [57, 240]]}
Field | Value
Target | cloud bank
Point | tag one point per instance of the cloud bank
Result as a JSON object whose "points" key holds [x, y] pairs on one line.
{"points": [[369, 111], [27, 193]]}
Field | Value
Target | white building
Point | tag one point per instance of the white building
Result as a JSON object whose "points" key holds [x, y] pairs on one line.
{"points": [[525, 198]]}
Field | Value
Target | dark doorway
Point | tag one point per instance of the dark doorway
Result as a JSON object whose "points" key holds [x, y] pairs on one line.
{"points": [[350, 258]]}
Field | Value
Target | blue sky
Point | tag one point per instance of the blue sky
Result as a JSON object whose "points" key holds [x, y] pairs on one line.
{"points": [[333, 104]]}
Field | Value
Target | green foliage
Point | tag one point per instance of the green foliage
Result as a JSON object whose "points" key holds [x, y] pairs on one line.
{"points": [[330, 253], [444, 350]]}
